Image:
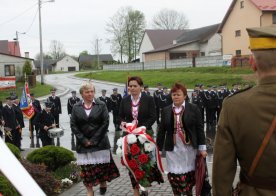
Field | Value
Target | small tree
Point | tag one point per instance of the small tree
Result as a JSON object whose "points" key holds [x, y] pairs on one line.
{"points": [[27, 68]]}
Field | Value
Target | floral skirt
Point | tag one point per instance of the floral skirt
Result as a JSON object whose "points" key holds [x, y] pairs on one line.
{"points": [[155, 176], [94, 174], [182, 183]]}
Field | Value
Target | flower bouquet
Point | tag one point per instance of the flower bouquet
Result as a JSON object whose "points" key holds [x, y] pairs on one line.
{"points": [[139, 154]]}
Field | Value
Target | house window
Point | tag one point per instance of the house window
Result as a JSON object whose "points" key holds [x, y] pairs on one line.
{"points": [[238, 52], [202, 53], [9, 70], [242, 4], [274, 18], [238, 33]]}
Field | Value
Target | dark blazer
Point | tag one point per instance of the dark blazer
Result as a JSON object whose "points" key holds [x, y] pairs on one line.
{"points": [[192, 123], [19, 115], [146, 111], [9, 117], [107, 102], [71, 102], [91, 128], [56, 109]]}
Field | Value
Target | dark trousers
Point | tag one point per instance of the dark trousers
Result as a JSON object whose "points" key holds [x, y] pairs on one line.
{"points": [[157, 115], [56, 117]]}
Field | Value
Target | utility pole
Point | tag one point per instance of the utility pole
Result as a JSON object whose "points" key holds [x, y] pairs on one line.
{"points": [[98, 52], [40, 39]]}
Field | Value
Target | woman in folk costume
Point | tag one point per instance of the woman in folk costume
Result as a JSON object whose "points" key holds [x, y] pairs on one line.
{"points": [[89, 122], [140, 108], [182, 136]]}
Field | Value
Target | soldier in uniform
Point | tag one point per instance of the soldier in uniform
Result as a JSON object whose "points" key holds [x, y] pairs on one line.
{"points": [[211, 101], [19, 117], [146, 90], [46, 121], [12, 134], [106, 100], [197, 100], [32, 126], [244, 121], [56, 108], [71, 102], [116, 99]]}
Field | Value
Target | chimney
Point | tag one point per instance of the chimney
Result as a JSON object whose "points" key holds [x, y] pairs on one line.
{"points": [[27, 55]]}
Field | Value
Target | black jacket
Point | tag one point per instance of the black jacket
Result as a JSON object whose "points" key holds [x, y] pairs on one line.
{"points": [[71, 102], [146, 111], [19, 115], [192, 123], [91, 128], [56, 109]]}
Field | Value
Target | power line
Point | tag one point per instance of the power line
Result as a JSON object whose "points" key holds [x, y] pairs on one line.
{"points": [[28, 29], [22, 13]]}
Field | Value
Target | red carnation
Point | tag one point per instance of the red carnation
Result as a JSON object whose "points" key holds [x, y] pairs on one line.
{"points": [[139, 174], [132, 164], [134, 150], [143, 158]]}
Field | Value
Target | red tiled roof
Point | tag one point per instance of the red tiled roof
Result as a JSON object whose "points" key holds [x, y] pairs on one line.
{"points": [[14, 48], [265, 5]]}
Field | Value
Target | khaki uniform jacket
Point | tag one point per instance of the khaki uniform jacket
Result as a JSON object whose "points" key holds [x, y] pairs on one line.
{"points": [[244, 120]]}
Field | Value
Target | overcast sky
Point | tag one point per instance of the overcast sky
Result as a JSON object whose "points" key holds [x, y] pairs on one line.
{"points": [[77, 23]]}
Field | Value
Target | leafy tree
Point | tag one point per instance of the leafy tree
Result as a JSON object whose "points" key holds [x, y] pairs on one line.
{"points": [[85, 52], [170, 19], [27, 68]]}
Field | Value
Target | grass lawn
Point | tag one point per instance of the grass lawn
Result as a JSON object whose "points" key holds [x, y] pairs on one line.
{"points": [[39, 90], [188, 76]]}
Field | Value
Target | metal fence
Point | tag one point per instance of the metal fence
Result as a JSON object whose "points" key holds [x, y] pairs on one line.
{"points": [[168, 64]]}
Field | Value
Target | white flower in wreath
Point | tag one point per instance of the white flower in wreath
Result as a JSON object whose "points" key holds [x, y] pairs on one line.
{"points": [[142, 139], [120, 142], [131, 138], [119, 151], [149, 147]]}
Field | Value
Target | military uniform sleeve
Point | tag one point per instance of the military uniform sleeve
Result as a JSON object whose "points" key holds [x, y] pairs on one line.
{"points": [[225, 160]]}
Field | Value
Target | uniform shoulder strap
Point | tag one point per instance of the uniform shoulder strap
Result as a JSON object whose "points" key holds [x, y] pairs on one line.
{"points": [[262, 147]]}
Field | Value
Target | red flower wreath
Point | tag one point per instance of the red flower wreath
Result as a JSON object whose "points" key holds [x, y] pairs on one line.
{"points": [[133, 164], [143, 158], [134, 150], [139, 174]]}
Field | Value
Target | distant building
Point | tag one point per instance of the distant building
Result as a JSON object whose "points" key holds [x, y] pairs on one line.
{"points": [[11, 65], [198, 42], [66, 63], [154, 39], [10, 47], [86, 60], [244, 14]]}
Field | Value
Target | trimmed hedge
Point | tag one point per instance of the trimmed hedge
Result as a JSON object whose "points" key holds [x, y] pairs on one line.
{"points": [[15, 150], [6, 188], [52, 156]]}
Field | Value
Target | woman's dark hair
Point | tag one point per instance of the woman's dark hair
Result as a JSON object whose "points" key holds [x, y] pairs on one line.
{"points": [[179, 86], [137, 79]]}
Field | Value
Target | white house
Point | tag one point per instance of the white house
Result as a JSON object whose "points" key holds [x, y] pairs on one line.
{"points": [[65, 64], [11, 65]]}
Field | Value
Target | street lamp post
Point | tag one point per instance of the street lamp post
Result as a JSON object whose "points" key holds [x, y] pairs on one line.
{"points": [[40, 39]]}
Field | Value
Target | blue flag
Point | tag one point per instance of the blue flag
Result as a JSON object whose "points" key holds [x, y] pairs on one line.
{"points": [[24, 100]]}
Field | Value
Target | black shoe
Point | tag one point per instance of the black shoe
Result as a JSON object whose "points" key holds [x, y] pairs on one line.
{"points": [[103, 190], [22, 149], [144, 193]]}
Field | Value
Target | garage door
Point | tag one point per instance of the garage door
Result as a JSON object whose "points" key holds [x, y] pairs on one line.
{"points": [[71, 68]]}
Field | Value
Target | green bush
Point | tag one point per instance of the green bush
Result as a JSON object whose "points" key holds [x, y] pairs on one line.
{"points": [[52, 156], [15, 150], [6, 188], [70, 171], [43, 178]]}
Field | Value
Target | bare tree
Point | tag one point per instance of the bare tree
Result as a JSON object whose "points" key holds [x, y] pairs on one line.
{"points": [[56, 49], [170, 19], [127, 27]]}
